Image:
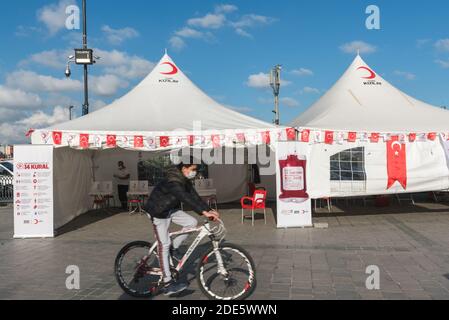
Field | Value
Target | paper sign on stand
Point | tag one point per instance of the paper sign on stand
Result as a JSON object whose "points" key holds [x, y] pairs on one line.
{"points": [[33, 191], [294, 206]]}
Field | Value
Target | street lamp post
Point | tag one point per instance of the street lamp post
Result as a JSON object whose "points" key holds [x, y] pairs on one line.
{"points": [[275, 83], [70, 112]]}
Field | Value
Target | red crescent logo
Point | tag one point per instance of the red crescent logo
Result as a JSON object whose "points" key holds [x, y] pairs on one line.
{"points": [[173, 71], [372, 74]]}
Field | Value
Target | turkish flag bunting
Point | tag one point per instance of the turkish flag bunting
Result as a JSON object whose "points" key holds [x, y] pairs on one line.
{"points": [[111, 141], [329, 139], [291, 134], [164, 141], [375, 137], [57, 138], [352, 136], [412, 137], [138, 142], [84, 141], [241, 137], [191, 140], [266, 137], [305, 136], [216, 143], [396, 163], [432, 136]]}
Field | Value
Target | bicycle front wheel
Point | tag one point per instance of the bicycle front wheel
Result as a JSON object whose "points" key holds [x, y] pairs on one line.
{"points": [[238, 283], [137, 270]]}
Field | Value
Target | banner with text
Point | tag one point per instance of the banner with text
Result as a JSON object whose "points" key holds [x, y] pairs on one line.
{"points": [[33, 191], [294, 206]]}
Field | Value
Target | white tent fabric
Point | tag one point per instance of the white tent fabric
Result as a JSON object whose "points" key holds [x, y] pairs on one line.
{"points": [[167, 103], [363, 102], [356, 103]]}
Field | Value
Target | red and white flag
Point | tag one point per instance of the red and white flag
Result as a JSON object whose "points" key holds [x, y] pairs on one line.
{"points": [[138, 141], [291, 134], [84, 141], [57, 138], [329, 138], [216, 141], [412, 137], [241, 138], [396, 163], [266, 138], [305, 136], [164, 141], [111, 141], [191, 140], [352, 136], [432, 136], [375, 137]]}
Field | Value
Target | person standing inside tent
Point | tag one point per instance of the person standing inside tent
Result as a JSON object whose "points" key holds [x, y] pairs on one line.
{"points": [[163, 206], [122, 177]]}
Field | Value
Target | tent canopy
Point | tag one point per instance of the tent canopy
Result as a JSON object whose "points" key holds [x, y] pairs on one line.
{"points": [[361, 100], [165, 100]]}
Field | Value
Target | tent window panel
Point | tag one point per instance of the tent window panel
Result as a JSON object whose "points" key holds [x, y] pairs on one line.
{"points": [[335, 166], [348, 166], [345, 166]]}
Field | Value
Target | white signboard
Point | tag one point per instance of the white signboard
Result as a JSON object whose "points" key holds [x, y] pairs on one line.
{"points": [[294, 206], [33, 191]]}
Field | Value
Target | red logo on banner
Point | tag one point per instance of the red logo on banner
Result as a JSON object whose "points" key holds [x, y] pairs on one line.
{"points": [[291, 134], [266, 137], [329, 137], [191, 140], [173, 71], [305, 136], [374, 137], [84, 141], [352, 136], [412, 137], [164, 141], [111, 141], [241, 137], [396, 163], [138, 142], [432, 136], [57, 138], [372, 75]]}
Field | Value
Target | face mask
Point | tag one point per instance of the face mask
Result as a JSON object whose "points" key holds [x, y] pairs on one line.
{"points": [[191, 175]]}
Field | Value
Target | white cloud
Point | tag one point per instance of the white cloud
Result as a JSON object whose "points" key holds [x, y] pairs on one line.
{"points": [[31, 81], [358, 46], [54, 16], [96, 105], [226, 8], [209, 21], [302, 72], [310, 90], [442, 45], [118, 36], [16, 98], [444, 64], [262, 81], [252, 20], [52, 58], [177, 43], [24, 31], [106, 85], [406, 75], [290, 102], [243, 33], [187, 32], [40, 119]]}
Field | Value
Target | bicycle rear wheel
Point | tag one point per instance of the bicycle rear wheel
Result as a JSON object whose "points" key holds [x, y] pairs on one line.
{"points": [[137, 270], [240, 282]]}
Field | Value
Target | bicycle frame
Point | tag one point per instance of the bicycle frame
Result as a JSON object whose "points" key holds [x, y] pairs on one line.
{"points": [[203, 232]]}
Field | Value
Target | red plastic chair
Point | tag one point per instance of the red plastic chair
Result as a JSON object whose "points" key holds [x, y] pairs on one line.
{"points": [[258, 201]]}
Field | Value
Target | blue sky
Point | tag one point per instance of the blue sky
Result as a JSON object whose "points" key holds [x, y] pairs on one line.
{"points": [[224, 47]]}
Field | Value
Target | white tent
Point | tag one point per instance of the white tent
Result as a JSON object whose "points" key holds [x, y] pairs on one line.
{"points": [[355, 119], [165, 111]]}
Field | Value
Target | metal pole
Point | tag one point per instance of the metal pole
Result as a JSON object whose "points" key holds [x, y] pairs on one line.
{"points": [[86, 82], [277, 121]]}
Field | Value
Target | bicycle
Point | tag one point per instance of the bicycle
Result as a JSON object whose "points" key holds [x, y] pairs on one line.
{"points": [[138, 272]]}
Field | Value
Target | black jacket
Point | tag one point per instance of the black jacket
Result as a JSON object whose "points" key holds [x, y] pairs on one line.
{"points": [[168, 195]]}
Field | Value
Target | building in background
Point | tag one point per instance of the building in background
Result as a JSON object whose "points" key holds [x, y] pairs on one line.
{"points": [[6, 152]]}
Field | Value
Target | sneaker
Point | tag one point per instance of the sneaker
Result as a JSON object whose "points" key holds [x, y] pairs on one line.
{"points": [[174, 288]]}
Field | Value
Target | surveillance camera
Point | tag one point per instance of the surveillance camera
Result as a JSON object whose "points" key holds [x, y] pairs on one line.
{"points": [[68, 73]]}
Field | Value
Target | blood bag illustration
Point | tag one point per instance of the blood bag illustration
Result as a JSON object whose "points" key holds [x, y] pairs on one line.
{"points": [[293, 179]]}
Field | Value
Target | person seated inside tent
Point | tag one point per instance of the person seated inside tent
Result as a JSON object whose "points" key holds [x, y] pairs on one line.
{"points": [[163, 206], [122, 177]]}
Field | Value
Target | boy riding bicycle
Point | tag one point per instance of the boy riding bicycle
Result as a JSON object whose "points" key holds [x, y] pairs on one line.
{"points": [[163, 206]]}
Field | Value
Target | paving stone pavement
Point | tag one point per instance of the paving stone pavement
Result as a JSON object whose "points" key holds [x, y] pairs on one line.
{"points": [[409, 244]]}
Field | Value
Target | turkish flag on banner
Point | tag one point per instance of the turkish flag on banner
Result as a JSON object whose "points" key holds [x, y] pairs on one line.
{"points": [[396, 163], [111, 141], [84, 141], [266, 137], [57, 138], [412, 137], [216, 142], [191, 140], [291, 134], [329, 139], [241, 137], [164, 141], [305, 136], [138, 142], [352, 136], [374, 137], [432, 136]]}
